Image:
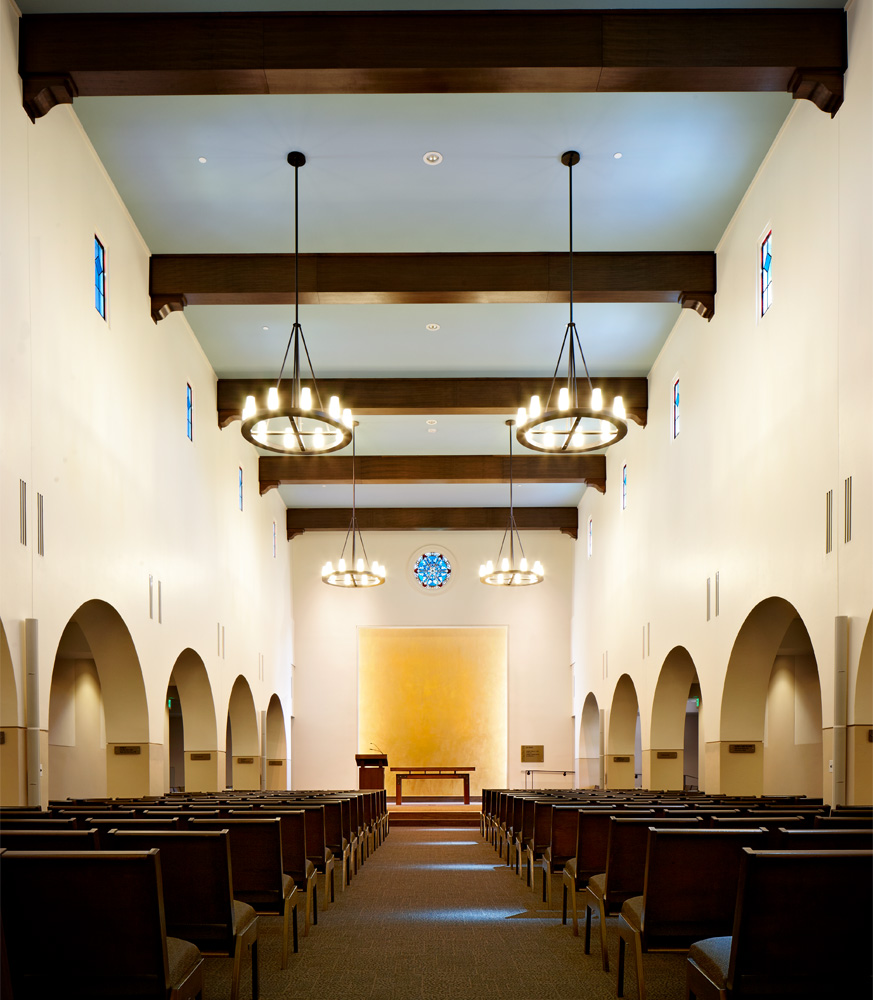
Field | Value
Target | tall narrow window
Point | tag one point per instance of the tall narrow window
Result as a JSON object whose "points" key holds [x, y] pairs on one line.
{"points": [[240, 489], [676, 408], [766, 270], [99, 277], [189, 412], [590, 536], [274, 539], [624, 487]]}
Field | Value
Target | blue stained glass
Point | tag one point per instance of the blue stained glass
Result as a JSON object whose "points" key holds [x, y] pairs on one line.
{"points": [[189, 407], [432, 570], [99, 278], [766, 276]]}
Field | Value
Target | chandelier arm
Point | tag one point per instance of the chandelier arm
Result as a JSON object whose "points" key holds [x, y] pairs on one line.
{"points": [[311, 371], [570, 434], [297, 434], [584, 362], [294, 329], [557, 366]]}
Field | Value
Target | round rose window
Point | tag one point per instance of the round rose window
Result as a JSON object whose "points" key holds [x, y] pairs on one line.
{"points": [[432, 570]]}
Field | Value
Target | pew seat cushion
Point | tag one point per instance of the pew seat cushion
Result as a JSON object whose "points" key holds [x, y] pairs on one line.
{"points": [[243, 915], [184, 958], [712, 956], [287, 885], [570, 868], [632, 911], [597, 884]]}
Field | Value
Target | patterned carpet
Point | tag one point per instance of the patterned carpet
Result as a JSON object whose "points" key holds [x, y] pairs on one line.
{"points": [[434, 915]]}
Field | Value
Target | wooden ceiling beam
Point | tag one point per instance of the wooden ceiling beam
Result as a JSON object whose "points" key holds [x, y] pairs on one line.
{"points": [[177, 280], [430, 396], [300, 519], [392, 470], [62, 56]]}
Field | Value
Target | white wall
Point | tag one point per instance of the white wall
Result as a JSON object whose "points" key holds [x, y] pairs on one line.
{"points": [[774, 414], [93, 417], [326, 620]]}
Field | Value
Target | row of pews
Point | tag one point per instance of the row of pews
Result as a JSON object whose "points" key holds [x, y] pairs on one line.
{"points": [[769, 895], [132, 893]]}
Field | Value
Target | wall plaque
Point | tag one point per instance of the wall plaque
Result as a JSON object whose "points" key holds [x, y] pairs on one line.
{"points": [[275, 763], [245, 760], [621, 760], [741, 747], [127, 751], [201, 756], [532, 754], [667, 755]]}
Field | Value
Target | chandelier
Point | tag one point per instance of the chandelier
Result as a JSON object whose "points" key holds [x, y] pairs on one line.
{"points": [[293, 423], [509, 573], [359, 572], [566, 424]]}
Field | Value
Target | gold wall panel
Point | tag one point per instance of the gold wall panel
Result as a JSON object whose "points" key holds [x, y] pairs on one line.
{"points": [[438, 697]]}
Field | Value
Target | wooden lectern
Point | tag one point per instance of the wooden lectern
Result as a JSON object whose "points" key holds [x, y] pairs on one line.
{"points": [[371, 769]]}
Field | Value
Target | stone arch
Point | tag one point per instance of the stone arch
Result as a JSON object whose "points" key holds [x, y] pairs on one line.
{"points": [[243, 769], [770, 725], [98, 713], [664, 764], [589, 772], [860, 749], [196, 762], [13, 759], [277, 745], [622, 738]]}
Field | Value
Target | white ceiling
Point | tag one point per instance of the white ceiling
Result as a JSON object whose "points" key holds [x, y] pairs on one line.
{"points": [[686, 161]]}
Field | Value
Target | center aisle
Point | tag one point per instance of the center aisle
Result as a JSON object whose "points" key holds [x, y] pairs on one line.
{"points": [[434, 915]]}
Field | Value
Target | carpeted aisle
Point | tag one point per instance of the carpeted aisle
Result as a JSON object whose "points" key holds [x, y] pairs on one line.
{"points": [[434, 915]]}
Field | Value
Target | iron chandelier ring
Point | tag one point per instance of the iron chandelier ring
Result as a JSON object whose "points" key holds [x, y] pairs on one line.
{"points": [[330, 428], [575, 414]]}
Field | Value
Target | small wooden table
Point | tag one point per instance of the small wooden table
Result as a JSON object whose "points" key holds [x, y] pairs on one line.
{"points": [[426, 773]]}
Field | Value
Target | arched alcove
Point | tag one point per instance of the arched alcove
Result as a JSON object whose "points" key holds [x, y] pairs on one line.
{"points": [[589, 772], [621, 746], [243, 752], [277, 746], [193, 734], [13, 760], [859, 745], [98, 716], [770, 727], [674, 729]]}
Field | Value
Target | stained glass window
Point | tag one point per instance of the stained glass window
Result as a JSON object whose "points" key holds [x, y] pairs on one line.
{"points": [[590, 536], [624, 487], [189, 407], [432, 570], [766, 265], [240, 490], [99, 277], [676, 408]]}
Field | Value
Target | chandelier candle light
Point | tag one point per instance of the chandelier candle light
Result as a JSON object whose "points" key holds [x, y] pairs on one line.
{"points": [[509, 573], [567, 425], [290, 424], [359, 573]]}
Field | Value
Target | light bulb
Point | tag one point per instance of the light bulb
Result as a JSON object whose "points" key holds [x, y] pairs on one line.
{"points": [[328, 568], [250, 408], [596, 399], [347, 580], [618, 408], [504, 565], [549, 440], [482, 571], [521, 417], [500, 579], [538, 568], [347, 417], [523, 564], [564, 398], [534, 407], [306, 398], [273, 398], [259, 432], [359, 566], [289, 439], [489, 567], [318, 440], [578, 439], [333, 407], [341, 566]]}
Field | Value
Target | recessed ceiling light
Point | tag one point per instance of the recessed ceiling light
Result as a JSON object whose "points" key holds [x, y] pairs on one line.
{"points": [[430, 423], [431, 430], [433, 158], [432, 327], [201, 159], [616, 156], [265, 328]]}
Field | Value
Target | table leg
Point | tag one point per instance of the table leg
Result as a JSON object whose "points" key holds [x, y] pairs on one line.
{"points": [[399, 799], [466, 789]]}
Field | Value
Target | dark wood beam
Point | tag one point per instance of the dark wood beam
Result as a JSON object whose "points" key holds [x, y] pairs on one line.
{"points": [[428, 469], [176, 280], [425, 396], [381, 52], [563, 519]]}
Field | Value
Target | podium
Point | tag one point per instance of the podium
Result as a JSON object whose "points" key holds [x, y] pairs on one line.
{"points": [[371, 769]]}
